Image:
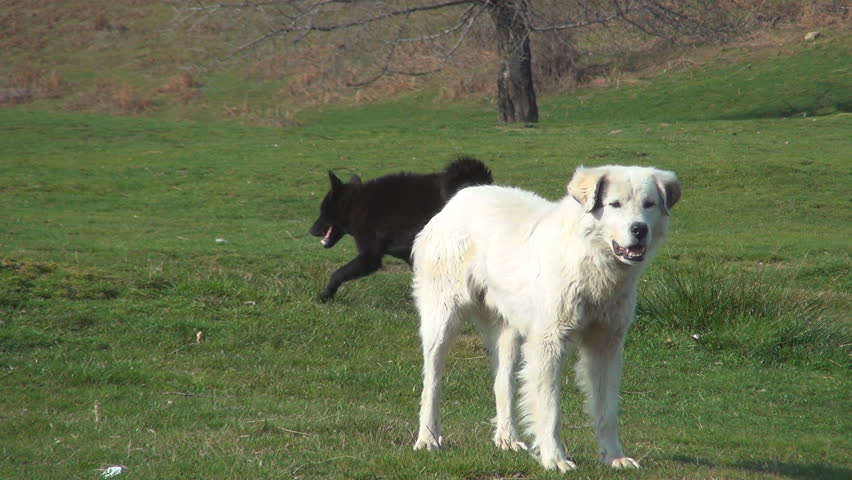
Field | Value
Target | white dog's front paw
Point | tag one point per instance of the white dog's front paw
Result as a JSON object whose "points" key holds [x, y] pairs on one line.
{"points": [[429, 442], [623, 462], [561, 465], [509, 440], [513, 445]]}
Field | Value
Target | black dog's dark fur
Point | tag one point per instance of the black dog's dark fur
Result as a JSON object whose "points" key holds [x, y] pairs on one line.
{"points": [[385, 214]]}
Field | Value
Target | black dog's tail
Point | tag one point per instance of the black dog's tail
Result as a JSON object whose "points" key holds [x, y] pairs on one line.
{"points": [[465, 172]]}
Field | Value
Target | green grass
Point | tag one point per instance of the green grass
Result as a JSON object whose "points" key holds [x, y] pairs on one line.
{"points": [[110, 268], [754, 315]]}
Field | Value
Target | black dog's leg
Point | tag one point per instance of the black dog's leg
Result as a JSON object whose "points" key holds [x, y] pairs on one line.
{"points": [[360, 266]]}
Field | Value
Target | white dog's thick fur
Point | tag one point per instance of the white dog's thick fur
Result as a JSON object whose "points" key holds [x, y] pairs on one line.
{"points": [[539, 277]]}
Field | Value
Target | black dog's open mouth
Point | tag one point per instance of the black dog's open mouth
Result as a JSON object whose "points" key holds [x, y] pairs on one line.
{"points": [[327, 237], [635, 253]]}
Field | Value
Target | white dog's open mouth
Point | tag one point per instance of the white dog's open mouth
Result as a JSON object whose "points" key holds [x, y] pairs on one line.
{"points": [[635, 253], [327, 236]]}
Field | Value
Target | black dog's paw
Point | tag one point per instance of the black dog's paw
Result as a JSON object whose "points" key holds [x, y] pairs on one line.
{"points": [[326, 296]]}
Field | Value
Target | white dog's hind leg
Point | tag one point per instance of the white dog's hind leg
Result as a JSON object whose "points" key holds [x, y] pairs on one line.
{"points": [[599, 375], [502, 343], [438, 327], [542, 376]]}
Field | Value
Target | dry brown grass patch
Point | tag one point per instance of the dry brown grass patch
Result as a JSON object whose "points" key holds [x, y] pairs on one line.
{"points": [[386, 87], [210, 28], [102, 24], [459, 88], [803, 13], [267, 116], [182, 86], [128, 100], [29, 83], [825, 13], [472, 74], [273, 67], [113, 98]]}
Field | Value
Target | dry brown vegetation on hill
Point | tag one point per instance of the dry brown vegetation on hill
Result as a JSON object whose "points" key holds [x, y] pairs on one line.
{"points": [[138, 57]]}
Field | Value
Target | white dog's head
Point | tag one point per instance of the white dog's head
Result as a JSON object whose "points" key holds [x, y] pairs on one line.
{"points": [[628, 207]]}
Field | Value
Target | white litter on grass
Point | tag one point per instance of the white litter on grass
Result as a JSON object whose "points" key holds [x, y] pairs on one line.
{"points": [[112, 470], [695, 336], [221, 241]]}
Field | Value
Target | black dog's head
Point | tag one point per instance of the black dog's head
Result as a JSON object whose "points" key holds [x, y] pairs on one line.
{"points": [[332, 222]]}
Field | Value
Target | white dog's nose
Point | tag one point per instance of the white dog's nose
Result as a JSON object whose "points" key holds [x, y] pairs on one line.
{"points": [[639, 230]]}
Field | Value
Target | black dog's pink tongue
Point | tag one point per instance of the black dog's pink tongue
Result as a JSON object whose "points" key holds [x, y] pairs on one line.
{"points": [[327, 236]]}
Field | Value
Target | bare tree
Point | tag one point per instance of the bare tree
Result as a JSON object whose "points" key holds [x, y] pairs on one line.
{"points": [[442, 26], [516, 99]]}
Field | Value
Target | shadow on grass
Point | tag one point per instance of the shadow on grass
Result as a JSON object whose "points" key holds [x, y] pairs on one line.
{"points": [[816, 108], [796, 470], [786, 469]]}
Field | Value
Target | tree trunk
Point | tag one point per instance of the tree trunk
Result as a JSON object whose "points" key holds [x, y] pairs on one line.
{"points": [[515, 92]]}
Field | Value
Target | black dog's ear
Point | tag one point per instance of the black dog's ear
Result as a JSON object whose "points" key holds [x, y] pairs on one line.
{"points": [[355, 180], [335, 182], [587, 187]]}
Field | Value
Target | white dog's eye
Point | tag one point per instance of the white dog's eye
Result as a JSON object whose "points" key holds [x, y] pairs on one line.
{"points": [[615, 204], [649, 203]]}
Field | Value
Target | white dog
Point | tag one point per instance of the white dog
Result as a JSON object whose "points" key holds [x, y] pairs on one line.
{"points": [[538, 277]]}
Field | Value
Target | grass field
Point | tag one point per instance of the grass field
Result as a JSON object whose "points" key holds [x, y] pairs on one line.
{"points": [[110, 267]]}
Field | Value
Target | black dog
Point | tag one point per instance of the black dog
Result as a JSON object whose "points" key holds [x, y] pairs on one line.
{"points": [[385, 214]]}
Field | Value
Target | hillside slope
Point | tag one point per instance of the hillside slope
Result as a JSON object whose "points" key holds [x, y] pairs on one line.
{"points": [[131, 57]]}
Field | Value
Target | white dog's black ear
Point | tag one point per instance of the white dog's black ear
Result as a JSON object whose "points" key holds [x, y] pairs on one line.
{"points": [[669, 189], [587, 187], [335, 182]]}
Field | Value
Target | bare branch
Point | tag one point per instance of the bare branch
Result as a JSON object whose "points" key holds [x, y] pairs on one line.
{"points": [[420, 37], [571, 26], [599, 19], [443, 33], [452, 50], [469, 18], [388, 59], [385, 16], [317, 6]]}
